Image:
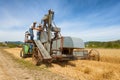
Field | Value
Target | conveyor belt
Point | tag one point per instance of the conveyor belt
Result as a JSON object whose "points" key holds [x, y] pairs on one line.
{"points": [[43, 51]]}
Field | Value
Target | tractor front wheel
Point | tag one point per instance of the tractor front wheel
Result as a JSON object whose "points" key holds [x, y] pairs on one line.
{"points": [[22, 55]]}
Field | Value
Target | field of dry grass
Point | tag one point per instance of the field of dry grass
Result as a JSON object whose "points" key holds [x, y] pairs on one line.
{"points": [[108, 68], [110, 55]]}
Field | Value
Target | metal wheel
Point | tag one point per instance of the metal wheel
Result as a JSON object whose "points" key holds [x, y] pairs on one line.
{"points": [[94, 55], [36, 57]]}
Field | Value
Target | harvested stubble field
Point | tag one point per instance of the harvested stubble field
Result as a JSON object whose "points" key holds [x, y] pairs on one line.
{"points": [[108, 68]]}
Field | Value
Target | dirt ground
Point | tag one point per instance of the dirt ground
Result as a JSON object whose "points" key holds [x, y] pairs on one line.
{"points": [[106, 69], [10, 70]]}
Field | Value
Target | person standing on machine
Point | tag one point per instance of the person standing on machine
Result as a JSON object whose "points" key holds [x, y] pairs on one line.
{"points": [[31, 30], [39, 29]]}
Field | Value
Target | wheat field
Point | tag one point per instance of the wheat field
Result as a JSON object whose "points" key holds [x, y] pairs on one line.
{"points": [[108, 68]]}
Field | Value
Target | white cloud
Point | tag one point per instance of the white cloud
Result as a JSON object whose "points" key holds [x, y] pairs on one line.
{"points": [[106, 33], [73, 25], [11, 35]]}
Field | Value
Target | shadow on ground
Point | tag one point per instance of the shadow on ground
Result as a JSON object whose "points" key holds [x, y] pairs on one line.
{"points": [[61, 63]]}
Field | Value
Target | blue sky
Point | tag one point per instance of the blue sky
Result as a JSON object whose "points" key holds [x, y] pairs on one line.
{"points": [[91, 20]]}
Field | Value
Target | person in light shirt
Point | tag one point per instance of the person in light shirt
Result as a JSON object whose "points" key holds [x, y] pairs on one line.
{"points": [[31, 30], [38, 29]]}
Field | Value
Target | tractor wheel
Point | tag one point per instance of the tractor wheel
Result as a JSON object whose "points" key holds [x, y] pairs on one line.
{"points": [[22, 55], [35, 61], [36, 57], [94, 55]]}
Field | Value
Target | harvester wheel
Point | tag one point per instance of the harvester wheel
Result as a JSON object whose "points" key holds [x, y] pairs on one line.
{"points": [[36, 57], [94, 55], [22, 55]]}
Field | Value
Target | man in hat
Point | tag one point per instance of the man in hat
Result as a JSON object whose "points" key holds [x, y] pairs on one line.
{"points": [[39, 29]]}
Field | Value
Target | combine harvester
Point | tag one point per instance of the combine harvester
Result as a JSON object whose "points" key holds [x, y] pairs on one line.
{"points": [[54, 47]]}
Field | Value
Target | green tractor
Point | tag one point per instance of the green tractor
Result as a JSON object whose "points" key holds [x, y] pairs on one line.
{"points": [[26, 50]]}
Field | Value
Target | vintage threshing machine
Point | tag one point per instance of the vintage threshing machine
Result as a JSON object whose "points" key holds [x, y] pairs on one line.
{"points": [[52, 46]]}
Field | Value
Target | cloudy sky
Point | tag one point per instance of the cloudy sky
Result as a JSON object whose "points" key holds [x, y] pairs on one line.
{"points": [[91, 20]]}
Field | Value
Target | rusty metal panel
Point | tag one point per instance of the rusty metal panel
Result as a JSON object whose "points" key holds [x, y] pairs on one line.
{"points": [[56, 44], [70, 42], [43, 37], [78, 53]]}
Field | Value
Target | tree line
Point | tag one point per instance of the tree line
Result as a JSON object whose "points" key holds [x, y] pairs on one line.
{"points": [[11, 44], [96, 44]]}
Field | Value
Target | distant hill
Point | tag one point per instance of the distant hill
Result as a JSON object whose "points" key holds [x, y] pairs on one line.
{"points": [[11, 44], [14, 42], [97, 44]]}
